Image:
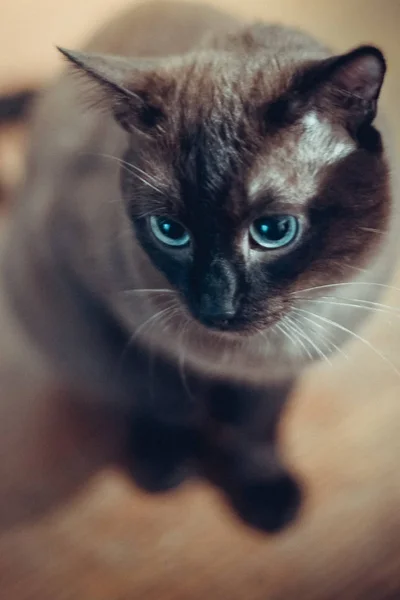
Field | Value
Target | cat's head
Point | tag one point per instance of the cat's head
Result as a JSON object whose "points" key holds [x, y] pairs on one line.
{"points": [[247, 177]]}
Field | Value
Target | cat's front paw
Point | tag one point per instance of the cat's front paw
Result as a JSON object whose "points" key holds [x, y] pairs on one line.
{"points": [[253, 479], [269, 504], [159, 454]]}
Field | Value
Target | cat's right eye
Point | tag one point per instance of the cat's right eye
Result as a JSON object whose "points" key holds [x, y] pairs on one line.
{"points": [[274, 231], [169, 232]]}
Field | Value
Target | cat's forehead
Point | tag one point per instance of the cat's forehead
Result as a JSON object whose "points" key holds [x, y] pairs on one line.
{"points": [[221, 164], [212, 130], [213, 140], [209, 77], [215, 90]]}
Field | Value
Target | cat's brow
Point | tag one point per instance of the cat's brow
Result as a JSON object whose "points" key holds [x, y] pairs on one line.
{"points": [[296, 161]]}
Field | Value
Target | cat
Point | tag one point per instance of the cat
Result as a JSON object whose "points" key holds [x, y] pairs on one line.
{"points": [[202, 204]]}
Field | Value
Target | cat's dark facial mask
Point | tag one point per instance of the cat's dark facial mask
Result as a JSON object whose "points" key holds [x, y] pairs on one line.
{"points": [[248, 182]]}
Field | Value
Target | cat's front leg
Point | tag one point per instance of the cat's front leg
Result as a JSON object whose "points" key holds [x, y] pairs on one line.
{"points": [[241, 455], [160, 452], [163, 430]]}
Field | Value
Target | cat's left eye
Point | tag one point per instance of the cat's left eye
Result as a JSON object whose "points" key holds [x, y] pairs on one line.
{"points": [[274, 231], [169, 232]]}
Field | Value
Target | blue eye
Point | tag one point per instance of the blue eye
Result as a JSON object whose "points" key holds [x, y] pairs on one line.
{"points": [[274, 231], [169, 232]]}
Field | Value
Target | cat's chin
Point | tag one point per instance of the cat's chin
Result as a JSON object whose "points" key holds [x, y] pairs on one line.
{"points": [[234, 331], [233, 335]]}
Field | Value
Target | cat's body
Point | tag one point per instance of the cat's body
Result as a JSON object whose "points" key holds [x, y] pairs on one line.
{"points": [[74, 275]]}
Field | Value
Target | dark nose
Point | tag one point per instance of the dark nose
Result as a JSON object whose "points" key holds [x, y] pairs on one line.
{"points": [[213, 313], [215, 288]]}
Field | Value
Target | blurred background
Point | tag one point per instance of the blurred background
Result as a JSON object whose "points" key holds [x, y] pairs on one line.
{"points": [[341, 432]]}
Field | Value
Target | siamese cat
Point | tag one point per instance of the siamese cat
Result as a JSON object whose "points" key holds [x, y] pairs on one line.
{"points": [[202, 205]]}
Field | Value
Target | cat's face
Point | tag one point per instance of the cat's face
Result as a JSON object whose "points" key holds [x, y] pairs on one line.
{"points": [[249, 183]]}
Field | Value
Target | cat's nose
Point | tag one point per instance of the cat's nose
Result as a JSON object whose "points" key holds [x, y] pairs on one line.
{"points": [[216, 314]]}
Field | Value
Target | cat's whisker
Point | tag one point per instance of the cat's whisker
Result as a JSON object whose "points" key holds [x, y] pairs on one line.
{"points": [[299, 334], [372, 230], [144, 177], [149, 291], [325, 335], [361, 301], [353, 334], [334, 285], [167, 320], [136, 214], [296, 338], [128, 165], [358, 269], [151, 320], [285, 333], [307, 338], [352, 305], [355, 303], [134, 169]]}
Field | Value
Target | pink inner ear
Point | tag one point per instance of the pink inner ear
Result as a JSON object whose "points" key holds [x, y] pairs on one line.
{"points": [[361, 75]]}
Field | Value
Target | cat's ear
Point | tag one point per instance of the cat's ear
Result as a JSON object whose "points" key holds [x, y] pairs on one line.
{"points": [[352, 82], [359, 73], [126, 86]]}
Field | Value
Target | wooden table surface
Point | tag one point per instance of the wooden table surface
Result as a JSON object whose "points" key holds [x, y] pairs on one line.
{"points": [[341, 431]]}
